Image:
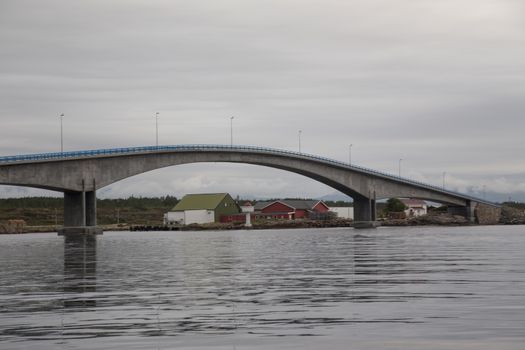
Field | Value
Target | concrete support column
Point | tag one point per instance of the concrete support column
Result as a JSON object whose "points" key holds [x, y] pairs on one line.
{"points": [[74, 209], [364, 209], [364, 212], [468, 211], [91, 208], [80, 213], [471, 211]]}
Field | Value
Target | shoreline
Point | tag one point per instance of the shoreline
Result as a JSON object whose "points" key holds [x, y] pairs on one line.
{"points": [[256, 226]]}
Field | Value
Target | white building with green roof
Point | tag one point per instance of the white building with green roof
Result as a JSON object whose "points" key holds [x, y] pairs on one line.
{"points": [[201, 209]]}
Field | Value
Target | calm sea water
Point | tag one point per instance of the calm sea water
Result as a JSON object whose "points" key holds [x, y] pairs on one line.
{"points": [[390, 288]]}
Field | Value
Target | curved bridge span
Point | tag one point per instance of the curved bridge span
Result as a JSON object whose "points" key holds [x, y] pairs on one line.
{"points": [[79, 174]]}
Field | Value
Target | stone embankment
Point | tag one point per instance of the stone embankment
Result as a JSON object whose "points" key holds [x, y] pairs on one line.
{"points": [[431, 219], [487, 215], [13, 226], [279, 224], [512, 216]]}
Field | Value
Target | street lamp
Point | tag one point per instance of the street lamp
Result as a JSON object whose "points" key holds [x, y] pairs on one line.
{"points": [[61, 133], [231, 131], [400, 159], [299, 136], [157, 128], [444, 174], [350, 154]]}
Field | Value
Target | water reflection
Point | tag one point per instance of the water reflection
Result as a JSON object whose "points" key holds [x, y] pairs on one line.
{"points": [[270, 286], [80, 270]]}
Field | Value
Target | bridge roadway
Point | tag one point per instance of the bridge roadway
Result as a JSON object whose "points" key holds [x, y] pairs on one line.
{"points": [[80, 174]]}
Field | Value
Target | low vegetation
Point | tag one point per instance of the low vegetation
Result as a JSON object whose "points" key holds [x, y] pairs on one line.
{"points": [[43, 211]]}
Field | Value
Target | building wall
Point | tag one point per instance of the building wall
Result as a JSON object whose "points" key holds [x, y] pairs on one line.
{"points": [[236, 217], [203, 216], [174, 217], [416, 211], [277, 207], [274, 216], [321, 208], [227, 206], [343, 212], [301, 214]]}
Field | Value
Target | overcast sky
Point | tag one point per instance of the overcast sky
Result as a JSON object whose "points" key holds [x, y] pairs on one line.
{"points": [[440, 84]]}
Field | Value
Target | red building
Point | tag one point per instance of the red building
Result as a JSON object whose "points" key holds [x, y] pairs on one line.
{"points": [[289, 209]]}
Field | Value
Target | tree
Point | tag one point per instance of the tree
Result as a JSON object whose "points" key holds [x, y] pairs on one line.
{"points": [[394, 205]]}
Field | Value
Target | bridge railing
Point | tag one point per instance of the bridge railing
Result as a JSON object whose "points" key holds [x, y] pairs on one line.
{"points": [[212, 147]]}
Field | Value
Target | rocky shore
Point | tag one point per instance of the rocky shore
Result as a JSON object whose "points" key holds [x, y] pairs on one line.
{"points": [[512, 216], [441, 219]]}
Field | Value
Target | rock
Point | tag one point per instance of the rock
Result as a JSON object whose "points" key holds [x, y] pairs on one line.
{"points": [[487, 215], [440, 219], [512, 216]]}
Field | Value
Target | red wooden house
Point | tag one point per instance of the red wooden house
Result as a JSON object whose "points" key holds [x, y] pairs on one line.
{"points": [[289, 209]]}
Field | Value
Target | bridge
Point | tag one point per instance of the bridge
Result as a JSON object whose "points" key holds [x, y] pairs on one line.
{"points": [[80, 174]]}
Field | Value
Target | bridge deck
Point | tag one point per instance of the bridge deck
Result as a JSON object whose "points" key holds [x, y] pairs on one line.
{"points": [[97, 153]]}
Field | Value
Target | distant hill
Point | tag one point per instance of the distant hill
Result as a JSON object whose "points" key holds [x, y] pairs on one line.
{"points": [[336, 197]]}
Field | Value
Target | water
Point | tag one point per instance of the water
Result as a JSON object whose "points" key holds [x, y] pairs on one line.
{"points": [[390, 288]]}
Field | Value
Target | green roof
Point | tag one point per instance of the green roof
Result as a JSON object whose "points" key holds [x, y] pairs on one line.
{"points": [[208, 201]]}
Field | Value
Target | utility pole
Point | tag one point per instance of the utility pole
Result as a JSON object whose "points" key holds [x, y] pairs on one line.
{"points": [[61, 133], [350, 154], [157, 128], [231, 131], [299, 135], [444, 174]]}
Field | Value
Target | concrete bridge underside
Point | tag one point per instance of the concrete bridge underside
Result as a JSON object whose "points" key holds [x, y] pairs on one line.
{"points": [[80, 178]]}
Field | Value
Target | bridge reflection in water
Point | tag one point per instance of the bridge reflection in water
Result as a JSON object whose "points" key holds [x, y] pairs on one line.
{"points": [[80, 270], [297, 289]]}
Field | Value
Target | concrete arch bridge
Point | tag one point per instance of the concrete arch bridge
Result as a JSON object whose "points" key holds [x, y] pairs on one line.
{"points": [[80, 174]]}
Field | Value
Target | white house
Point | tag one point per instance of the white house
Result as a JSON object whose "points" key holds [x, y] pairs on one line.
{"points": [[415, 207], [201, 209]]}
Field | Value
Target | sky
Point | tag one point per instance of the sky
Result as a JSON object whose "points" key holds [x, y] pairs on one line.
{"points": [[439, 84]]}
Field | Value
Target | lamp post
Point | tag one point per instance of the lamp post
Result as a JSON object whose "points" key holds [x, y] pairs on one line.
{"points": [[61, 133], [444, 174], [350, 154], [231, 131], [400, 160], [299, 136], [157, 129]]}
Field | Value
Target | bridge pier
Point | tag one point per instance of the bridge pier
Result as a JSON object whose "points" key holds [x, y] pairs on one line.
{"points": [[365, 213], [468, 211], [80, 213]]}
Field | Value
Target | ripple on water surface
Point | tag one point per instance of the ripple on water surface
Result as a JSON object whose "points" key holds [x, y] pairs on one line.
{"points": [[390, 288]]}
